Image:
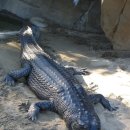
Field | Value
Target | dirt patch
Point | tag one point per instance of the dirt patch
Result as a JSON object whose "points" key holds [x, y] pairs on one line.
{"points": [[110, 76]]}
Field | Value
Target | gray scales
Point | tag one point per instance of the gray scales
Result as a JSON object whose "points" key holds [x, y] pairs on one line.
{"points": [[56, 85]]}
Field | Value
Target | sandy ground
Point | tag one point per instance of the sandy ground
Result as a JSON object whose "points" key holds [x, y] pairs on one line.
{"points": [[109, 77]]}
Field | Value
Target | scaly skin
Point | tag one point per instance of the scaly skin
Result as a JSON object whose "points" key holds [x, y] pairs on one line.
{"points": [[57, 85]]}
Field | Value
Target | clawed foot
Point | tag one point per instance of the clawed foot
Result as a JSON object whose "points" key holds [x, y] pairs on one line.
{"points": [[33, 112], [83, 71], [24, 107], [113, 108], [107, 105], [9, 80]]}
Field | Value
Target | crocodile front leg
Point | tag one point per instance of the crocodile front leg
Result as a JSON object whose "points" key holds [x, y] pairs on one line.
{"points": [[35, 108], [98, 98], [77, 71], [16, 74]]}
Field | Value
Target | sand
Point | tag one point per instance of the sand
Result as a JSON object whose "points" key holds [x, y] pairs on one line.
{"points": [[109, 77]]}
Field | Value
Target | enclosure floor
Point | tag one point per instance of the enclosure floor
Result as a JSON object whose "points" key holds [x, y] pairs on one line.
{"points": [[110, 77]]}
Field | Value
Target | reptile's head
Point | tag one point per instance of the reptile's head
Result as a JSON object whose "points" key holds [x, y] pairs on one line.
{"points": [[85, 123], [30, 32], [26, 31], [26, 36]]}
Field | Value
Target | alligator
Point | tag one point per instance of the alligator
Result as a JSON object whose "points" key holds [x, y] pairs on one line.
{"points": [[56, 85]]}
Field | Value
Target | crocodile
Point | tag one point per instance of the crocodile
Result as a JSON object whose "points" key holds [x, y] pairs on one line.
{"points": [[56, 85]]}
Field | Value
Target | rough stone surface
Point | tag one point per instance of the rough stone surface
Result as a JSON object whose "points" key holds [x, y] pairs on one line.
{"points": [[84, 17], [62, 12], [115, 21], [122, 35], [115, 16], [59, 11], [110, 15]]}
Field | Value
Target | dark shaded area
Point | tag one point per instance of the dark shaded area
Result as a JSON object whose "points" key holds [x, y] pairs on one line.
{"points": [[9, 21]]}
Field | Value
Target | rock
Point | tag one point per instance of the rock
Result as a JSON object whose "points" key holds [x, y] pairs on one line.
{"points": [[122, 35], [115, 17], [110, 15], [115, 21], [59, 11], [62, 12]]}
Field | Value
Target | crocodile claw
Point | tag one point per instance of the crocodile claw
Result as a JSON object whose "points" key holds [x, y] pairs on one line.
{"points": [[24, 107], [113, 108], [9, 80], [33, 112], [84, 71], [32, 116]]}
